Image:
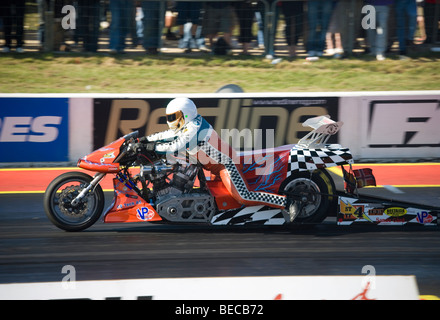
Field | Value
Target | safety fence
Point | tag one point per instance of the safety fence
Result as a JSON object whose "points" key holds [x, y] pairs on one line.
{"points": [[292, 27]]}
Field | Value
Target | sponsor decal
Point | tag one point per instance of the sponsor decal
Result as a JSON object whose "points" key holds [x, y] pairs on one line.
{"points": [[144, 214], [110, 155], [352, 212], [424, 217], [414, 123], [391, 220], [376, 212], [395, 212], [33, 129]]}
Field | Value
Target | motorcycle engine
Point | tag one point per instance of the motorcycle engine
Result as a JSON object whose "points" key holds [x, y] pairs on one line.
{"points": [[174, 199], [157, 175], [181, 182]]}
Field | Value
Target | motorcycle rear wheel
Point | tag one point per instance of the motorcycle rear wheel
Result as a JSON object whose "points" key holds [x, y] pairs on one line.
{"points": [[315, 189], [59, 195]]}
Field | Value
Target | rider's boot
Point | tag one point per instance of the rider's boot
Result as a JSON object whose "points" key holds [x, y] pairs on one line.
{"points": [[291, 209]]}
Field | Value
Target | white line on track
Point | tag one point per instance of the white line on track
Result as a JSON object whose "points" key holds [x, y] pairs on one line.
{"points": [[393, 189]]}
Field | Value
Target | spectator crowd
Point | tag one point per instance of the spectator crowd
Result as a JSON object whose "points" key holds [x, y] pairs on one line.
{"points": [[330, 27]]}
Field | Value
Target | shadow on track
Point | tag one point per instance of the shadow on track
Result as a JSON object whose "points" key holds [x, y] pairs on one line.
{"points": [[326, 229]]}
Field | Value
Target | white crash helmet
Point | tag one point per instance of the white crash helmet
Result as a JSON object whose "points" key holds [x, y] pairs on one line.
{"points": [[179, 112]]}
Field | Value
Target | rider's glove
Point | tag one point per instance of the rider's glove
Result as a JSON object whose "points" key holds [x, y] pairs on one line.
{"points": [[150, 146], [143, 140]]}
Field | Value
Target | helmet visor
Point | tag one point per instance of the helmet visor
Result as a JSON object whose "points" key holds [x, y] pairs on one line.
{"points": [[174, 116]]}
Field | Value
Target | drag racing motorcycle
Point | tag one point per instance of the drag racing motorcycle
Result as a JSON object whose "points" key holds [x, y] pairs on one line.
{"points": [[149, 187]]}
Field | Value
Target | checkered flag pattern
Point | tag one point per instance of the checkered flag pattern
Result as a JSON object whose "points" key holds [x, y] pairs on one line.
{"points": [[312, 159], [214, 154], [237, 179], [255, 215]]}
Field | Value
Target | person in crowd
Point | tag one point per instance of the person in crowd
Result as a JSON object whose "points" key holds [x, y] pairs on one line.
{"points": [[268, 38], [133, 25], [245, 12], [378, 36], [293, 12], [12, 12], [152, 30], [42, 6], [218, 18], [319, 13], [406, 22], [334, 45], [188, 11], [259, 13], [420, 35], [349, 17], [138, 17], [51, 35], [431, 23], [88, 24], [121, 16]]}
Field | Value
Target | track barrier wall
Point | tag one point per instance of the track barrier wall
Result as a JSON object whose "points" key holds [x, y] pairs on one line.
{"points": [[223, 289], [378, 126]]}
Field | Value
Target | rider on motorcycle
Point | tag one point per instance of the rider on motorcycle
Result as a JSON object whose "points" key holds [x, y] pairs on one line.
{"points": [[191, 133]]}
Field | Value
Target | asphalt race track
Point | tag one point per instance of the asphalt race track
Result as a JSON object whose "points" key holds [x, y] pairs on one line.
{"points": [[33, 250]]}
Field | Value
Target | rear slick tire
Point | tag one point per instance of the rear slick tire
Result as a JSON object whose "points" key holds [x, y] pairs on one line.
{"points": [[57, 202], [314, 187]]}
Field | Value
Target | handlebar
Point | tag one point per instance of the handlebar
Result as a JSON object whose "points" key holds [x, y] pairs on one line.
{"points": [[131, 135], [140, 149]]}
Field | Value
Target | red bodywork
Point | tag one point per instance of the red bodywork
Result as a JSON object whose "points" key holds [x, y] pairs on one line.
{"points": [[264, 172], [102, 160], [127, 205]]}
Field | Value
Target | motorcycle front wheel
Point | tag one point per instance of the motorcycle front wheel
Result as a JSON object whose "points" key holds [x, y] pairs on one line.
{"points": [[58, 202]]}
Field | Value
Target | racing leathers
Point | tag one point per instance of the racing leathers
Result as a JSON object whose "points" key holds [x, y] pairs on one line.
{"points": [[199, 140]]}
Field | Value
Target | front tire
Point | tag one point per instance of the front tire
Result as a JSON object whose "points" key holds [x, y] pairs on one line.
{"points": [[314, 188], [59, 195]]}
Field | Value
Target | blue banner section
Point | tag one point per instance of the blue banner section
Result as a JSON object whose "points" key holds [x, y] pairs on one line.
{"points": [[34, 129]]}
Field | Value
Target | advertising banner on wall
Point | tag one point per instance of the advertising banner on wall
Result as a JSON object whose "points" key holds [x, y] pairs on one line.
{"points": [[245, 123], [33, 129], [400, 127]]}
